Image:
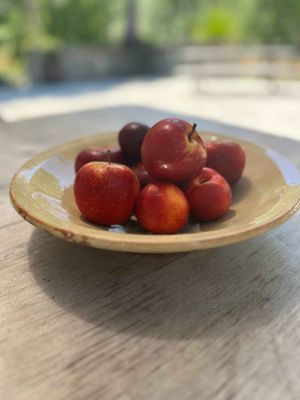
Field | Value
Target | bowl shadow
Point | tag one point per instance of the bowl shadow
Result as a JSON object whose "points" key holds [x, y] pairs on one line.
{"points": [[177, 296], [241, 189]]}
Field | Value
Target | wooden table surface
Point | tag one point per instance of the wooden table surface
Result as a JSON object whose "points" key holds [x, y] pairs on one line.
{"points": [[80, 323]]}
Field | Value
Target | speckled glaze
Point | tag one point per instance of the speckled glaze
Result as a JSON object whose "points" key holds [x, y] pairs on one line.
{"points": [[266, 196]]}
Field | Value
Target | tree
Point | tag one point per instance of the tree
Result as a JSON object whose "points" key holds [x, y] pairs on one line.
{"points": [[277, 21]]}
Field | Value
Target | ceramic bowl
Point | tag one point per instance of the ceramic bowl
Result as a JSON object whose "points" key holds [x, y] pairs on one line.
{"points": [[266, 196]]}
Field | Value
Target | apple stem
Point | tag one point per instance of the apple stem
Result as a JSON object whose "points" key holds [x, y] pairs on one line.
{"points": [[204, 180], [109, 156], [192, 132]]}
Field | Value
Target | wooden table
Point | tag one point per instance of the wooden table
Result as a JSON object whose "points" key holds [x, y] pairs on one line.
{"points": [[80, 323]]}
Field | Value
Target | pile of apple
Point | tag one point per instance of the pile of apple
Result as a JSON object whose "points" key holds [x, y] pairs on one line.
{"points": [[164, 175]]}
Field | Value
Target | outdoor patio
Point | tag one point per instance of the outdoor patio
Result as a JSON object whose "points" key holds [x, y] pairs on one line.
{"points": [[251, 103]]}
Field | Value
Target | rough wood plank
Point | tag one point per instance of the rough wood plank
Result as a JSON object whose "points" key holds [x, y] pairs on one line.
{"points": [[80, 323]]}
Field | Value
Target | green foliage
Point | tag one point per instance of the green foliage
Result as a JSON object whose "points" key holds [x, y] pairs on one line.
{"points": [[45, 24], [217, 25], [277, 21], [12, 28], [167, 21], [84, 21]]}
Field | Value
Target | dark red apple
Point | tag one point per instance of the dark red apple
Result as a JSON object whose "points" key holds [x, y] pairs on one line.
{"points": [[173, 151], [227, 158], [209, 196], [106, 193], [162, 207], [142, 174], [131, 137], [101, 153]]}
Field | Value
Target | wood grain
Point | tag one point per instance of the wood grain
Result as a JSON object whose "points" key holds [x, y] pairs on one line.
{"points": [[81, 323]]}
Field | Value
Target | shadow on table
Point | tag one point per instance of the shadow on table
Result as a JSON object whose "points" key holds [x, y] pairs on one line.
{"points": [[177, 296]]}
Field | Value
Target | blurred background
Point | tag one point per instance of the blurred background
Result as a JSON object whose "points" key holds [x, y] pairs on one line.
{"points": [[209, 57]]}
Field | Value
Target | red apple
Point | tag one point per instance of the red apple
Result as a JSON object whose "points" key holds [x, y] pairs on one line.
{"points": [[173, 151], [131, 137], [227, 158], [101, 153], [162, 207], [142, 175], [209, 195], [106, 193]]}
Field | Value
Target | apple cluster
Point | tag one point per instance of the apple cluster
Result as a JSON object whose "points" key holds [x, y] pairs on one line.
{"points": [[164, 175]]}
